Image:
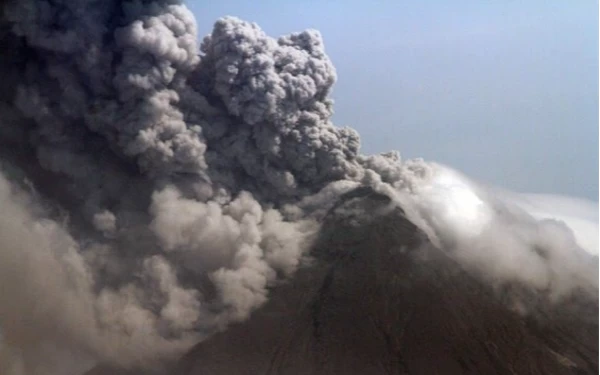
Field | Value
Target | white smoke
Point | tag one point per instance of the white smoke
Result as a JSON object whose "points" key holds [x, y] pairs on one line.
{"points": [[580, 215], [505, 236], [155, 188]]}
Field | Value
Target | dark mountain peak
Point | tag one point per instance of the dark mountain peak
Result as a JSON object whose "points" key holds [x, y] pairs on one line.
{"points": [[364, 220], [380, 299]]}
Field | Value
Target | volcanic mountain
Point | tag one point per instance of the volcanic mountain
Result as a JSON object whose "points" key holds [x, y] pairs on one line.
{"points": [[379, 298], [163, 194]]}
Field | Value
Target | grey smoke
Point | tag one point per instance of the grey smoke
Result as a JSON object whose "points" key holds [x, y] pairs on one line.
{"points": [[154, 188]]}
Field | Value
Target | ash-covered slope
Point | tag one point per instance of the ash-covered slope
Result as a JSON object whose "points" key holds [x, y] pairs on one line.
{"points": [[380, 299]]}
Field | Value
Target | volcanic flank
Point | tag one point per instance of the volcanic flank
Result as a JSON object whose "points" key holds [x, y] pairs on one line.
{"points": [[162, 196], [380, 299]]}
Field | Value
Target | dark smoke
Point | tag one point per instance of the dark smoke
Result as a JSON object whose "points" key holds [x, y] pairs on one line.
{"points": [[154, 188]]}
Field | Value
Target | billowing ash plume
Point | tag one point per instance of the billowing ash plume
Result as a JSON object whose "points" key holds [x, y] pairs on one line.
{"points": [[154, 187]]}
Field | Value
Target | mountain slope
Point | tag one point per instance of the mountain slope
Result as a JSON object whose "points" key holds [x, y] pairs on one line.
{"points": [[379, 299]]}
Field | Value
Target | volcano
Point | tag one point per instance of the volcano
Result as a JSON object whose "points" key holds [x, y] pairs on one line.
{"points": [[188, 206], [379, 298]]}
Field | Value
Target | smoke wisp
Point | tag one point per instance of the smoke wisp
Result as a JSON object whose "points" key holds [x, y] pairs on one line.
{"points": [[154, 186]]}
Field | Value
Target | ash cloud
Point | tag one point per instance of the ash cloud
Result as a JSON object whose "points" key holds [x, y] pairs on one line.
{"points": [[504, 240], [155, 187]]}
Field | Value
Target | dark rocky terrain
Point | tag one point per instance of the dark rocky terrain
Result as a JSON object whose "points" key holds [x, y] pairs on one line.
{"points": [[378, 298]]}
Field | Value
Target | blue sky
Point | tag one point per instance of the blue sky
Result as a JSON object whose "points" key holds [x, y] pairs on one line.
{"points": [[505, 91]]}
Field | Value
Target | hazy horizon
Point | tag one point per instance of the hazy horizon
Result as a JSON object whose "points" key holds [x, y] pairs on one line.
{"points": [[504, 92]]}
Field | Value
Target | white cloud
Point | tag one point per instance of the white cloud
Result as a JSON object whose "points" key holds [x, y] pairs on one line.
{"points": [[580, 215]]}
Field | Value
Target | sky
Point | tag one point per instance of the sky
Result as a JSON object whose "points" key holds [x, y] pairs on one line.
{"points": [[504, 91]]}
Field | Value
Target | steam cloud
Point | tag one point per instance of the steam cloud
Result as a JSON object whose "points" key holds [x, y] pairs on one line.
{"points": [[154, 188]]}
